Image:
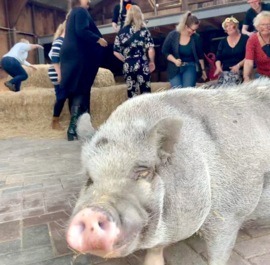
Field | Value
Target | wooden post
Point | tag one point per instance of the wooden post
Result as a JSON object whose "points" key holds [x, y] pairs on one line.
{"points": [[10, 42], [155, 3], [34, 30], [184, 5]]}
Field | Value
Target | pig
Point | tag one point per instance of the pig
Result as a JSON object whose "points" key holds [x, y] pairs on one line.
{"points": [[168, 165]]}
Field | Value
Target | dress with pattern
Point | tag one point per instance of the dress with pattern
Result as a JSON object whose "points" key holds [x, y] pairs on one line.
{"points": [[133, 46]]}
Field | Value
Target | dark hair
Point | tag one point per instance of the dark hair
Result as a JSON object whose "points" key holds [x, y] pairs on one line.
{"points": [[75, 3], [192, 20]]}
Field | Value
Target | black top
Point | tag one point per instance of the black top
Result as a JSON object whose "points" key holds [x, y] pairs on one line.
{"points": [[186, 54], [133, 45], [123, 13], [80, 54], [229, 56], [171, 46], [251, 14]]}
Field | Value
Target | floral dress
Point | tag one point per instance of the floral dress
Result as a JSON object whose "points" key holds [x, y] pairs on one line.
{"points": [[133, 46]]}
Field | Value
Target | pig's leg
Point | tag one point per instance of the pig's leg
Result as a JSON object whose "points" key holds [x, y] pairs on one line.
{"points": [[154, 256], [220, 238]]}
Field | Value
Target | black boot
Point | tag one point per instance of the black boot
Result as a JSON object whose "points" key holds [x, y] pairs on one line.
{"points": [[72, 130]]}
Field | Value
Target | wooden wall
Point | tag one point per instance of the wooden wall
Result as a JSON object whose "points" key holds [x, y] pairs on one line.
{"points": [[34, 21]]}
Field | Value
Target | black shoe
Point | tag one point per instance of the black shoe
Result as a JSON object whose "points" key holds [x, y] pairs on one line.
{"points": [[10, 86], [72, 129]]}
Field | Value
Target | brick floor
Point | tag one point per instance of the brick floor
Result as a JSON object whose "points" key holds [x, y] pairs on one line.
{"points": [[39, 183]]}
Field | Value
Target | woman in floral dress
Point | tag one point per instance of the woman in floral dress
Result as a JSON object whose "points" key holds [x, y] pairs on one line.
{"points": [[132, 45]]}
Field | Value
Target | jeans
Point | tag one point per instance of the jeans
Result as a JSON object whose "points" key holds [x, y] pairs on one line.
{"points": [[13, 67], [186, 76], [61, 97]]}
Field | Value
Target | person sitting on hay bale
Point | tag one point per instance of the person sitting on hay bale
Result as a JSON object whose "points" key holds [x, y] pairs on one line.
{"points": [[133, 41], [55, 75], [80, 58], [11, 63]]}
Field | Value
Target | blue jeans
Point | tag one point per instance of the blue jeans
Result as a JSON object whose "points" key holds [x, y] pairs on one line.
{"points": [[13, 67], [186, 76]]}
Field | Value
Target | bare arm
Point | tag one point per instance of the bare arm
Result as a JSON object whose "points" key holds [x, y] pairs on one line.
{"points": [[248, 65], [115, 27], [151, 54], [119, 56], [36, 46], [245, 30]]}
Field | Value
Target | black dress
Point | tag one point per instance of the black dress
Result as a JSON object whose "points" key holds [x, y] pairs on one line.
{"points": [[80, 54]]}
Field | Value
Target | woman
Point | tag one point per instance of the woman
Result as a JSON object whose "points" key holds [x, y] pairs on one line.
{"points": [[258, 48], [131, 46], [13, 60], [80, 57], [120, 12], [55, 75], [183, 50], [231, 54]]}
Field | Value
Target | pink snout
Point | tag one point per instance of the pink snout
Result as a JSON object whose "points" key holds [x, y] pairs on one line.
{"points": [[90, 231]]}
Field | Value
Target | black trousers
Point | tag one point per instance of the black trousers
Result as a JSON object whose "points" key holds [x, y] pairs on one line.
{"points": [[81, 100]]}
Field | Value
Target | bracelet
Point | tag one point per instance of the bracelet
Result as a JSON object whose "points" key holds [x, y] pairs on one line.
{"points": [[203, 70]]}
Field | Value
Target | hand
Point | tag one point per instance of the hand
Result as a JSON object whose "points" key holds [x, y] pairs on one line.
{"points": [[39, 47], [33, 67], [246, 78], [103, 42], [178, 62], [152, 67], [235, 68], [59, 78], [204, 75], [218, 71]]}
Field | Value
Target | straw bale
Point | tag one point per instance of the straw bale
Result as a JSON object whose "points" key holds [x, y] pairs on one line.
{"points": [[41, 79], [29, 112]]}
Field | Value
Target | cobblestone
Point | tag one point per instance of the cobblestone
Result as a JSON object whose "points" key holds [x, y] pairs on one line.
{"points": [[39, 184]]}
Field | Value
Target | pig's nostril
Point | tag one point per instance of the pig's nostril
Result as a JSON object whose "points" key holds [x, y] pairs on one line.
{"points": [[81, 228]]}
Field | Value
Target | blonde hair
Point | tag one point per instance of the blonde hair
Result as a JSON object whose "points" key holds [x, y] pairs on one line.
{"points": [[187, 20], [135, 18], [24, 41], [263, 14], [61, 28]]}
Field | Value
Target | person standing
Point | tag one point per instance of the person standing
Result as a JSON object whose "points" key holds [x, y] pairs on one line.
{"points": [[12, 61], [258, 48], [120, 12], [55, 75], [183, 50], [130, 46], [80, 58], [231, 54], [256, 6]]}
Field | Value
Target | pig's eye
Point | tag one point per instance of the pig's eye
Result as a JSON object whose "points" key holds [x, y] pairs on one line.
{"points": [[144, 174], [89, 182]]}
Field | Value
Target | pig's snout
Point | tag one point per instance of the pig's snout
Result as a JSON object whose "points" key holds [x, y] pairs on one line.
{"points": [[91, 231]]}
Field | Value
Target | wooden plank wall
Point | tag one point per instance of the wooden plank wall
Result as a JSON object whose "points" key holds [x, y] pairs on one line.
{"points": [[34, 21], [103, 12]]}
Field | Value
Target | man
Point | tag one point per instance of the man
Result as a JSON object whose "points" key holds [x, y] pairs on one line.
{"points": [[120, 12], [256, 7]]}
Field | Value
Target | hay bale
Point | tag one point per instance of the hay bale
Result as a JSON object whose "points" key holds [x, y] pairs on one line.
{"points": [[158, 87], [29, 112], [104, 78], [41, 79]]}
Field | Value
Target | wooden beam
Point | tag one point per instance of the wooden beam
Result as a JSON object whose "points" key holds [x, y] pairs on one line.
{"points": [[185, 5], [15, 8]]}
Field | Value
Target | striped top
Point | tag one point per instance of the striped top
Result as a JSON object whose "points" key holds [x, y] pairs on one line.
{"points": [[55, 57]]}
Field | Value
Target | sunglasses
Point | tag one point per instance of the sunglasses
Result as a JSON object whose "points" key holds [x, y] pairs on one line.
{"points": [[193, 30]]}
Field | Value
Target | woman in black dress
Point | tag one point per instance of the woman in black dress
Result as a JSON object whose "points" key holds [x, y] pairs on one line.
{"points": [[80, 58]]}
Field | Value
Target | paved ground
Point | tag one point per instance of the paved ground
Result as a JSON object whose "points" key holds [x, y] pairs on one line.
{"points": [[39, 182]]}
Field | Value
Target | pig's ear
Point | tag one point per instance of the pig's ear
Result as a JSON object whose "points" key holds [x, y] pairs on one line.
{"points": [[165, 134], [85, 129]]}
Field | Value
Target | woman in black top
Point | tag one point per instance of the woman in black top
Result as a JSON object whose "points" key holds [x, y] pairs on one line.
{"points": [[120, 12], [131, 46], [80, 58], [231, 54], [183, 50]]}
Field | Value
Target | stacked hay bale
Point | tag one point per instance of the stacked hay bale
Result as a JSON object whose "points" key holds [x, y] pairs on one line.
{"points": [[29, 112]]}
